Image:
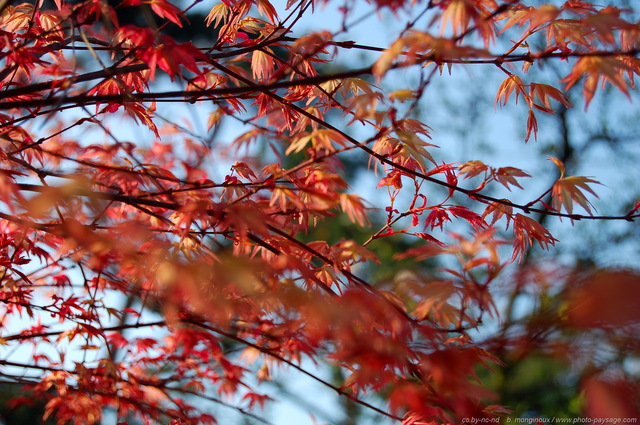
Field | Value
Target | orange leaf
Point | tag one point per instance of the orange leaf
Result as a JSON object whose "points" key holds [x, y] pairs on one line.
{"points": [[266, 9], [507, 176], [542, 92], [473, 168], [218, 14], [594, 68], [526, 231], [569, 189], [497, 210], [532, 126], [559, 164], [355, 209], [262, 64], [507, 87]]}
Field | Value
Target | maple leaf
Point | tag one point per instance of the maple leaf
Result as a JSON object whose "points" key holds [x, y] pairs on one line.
{"points": [[354, 207], [532, 126], [217, 15], [511, 84], [472, 169], [244, 170], [593, 69], [527, 231], [265, 8], [506, 176], [164, 9], [437, 217], [142, 115], [542, 92], [321, 139], [474, 219], [394, 178], [568, 190], [262, 64], [416, 46], [498, 210]]}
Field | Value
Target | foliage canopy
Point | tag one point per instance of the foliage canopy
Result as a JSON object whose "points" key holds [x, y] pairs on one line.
{"points": [[115, 134]]}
